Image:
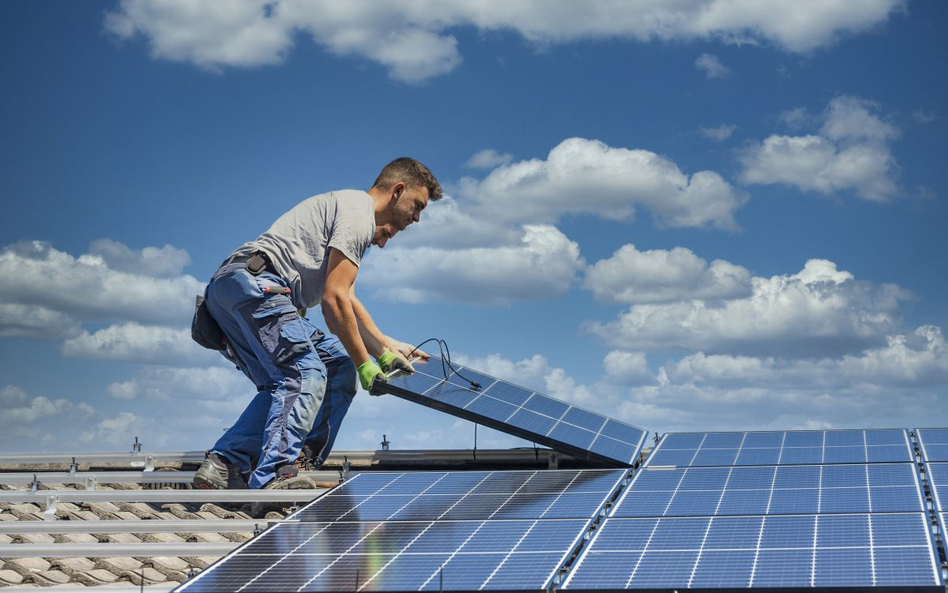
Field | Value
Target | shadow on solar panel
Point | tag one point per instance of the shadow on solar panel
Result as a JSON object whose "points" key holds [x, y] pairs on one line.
{"points": [[520, 412]]}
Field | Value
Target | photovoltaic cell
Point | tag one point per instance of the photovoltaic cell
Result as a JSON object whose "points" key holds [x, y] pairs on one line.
{"points": [[933, 443], [938, 480], [783, 448], [423, 531], [519, 411]]}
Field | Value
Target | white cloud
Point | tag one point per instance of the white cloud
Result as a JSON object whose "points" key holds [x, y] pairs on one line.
{"points": [[120, 429], [488, 159], [413, 41], [924, 117], [915, 360], [633, 276], [447, 225], [543, 265], [719, 133], [627, 368], [31, 321], [712, 66], [164, 262], [20, 408], [817, 312], [797, 118], [86, 289], [222, 389], [583, 176], [850, 152], [133, 342]]}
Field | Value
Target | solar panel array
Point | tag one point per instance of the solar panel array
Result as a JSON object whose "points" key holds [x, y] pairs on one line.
{"points": [[783, 447], [767, 509], [933, 443], [423, 530], [519, 411]]}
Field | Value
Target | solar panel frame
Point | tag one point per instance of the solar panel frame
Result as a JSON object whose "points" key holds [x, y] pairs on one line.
{"points": [[819, 447], [932, 443], [568, 432], [517, 565]]}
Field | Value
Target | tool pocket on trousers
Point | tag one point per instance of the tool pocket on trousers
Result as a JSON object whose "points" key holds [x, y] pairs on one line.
{"points": [[288, 338]]}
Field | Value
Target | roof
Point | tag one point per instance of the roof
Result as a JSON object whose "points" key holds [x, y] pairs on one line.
{"points": [[81, 520]]}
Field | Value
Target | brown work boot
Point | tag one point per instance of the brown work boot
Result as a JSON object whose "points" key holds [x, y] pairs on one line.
{"points": [[217, 473], [287, 479]]}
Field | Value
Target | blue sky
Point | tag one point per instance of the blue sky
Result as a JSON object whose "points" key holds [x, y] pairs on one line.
{"points": [[718, 215]]}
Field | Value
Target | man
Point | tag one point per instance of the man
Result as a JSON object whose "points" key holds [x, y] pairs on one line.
{"points": [[306, 379]]}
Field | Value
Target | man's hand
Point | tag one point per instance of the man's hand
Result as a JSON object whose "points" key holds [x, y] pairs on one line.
{"points": [[369, 374], [392, 361], [407, 349]]}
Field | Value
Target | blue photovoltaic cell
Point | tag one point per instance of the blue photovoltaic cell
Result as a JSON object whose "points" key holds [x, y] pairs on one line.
{"points": [[784, 448], [938, 479], [933, 443], [520, 412], [819, 489], [423, 531], [770, 551]]}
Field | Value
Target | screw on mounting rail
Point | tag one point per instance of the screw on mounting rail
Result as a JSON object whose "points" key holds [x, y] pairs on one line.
{"points": [[136, 446], [385, 443]]}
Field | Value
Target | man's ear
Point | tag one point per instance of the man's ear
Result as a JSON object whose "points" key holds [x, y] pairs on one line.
{"points": [[397, 190]]}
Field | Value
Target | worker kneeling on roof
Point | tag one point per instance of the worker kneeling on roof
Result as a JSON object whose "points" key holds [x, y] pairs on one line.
{"points": [[304, 377]]}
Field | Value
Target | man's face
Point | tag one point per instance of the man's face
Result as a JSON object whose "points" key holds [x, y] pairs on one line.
{"points": [[407, 205]]}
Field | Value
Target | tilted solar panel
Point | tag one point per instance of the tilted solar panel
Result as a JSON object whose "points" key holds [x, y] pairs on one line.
{"points": [[933, 443], [519, 411], [858, 550], [423, 530], [782, 447], [938, 480]]}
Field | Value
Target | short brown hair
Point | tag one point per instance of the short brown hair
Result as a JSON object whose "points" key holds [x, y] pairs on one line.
{"points": [[412, 174]]}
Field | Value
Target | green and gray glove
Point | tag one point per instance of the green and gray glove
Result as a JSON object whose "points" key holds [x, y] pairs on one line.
{"points": [[369, 373], [390, 361]]}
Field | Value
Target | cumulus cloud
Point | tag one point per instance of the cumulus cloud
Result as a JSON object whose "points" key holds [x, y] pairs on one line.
{"points": [[448, 225], [581, 176], [712, 66], [133, 342], [627, 368], [28, 421], [820, 311], [654, 276], [850, 152], [207, 388], [916, 359], [163, 262], [543, 265], [119, 429], [87, 289], [718, 133], [488, 159], [413, 41], [30, 321]]}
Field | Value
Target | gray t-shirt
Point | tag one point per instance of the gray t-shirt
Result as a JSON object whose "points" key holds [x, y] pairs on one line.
{"points": [[298, 242]]}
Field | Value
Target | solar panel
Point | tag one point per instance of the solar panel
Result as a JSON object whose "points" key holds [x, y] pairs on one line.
{"points": [[933, 443], [423, 530], [846, 550], [938, 480], [696, 517], [693, 449], [519, 411], [774, 490]]}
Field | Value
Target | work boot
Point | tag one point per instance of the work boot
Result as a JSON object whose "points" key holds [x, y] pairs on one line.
{"points": [[217, 473], [287, 478]]}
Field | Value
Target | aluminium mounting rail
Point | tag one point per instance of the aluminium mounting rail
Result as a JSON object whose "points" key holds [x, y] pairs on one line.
{"points": [[215, 496], [72, 550], [125, 477], [142, 526]]}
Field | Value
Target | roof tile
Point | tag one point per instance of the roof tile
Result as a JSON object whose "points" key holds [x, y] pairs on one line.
{"points": [[51, 578], [34, 538], [95, 577], [71, 566], [10, 577], [150, 574], [169, 564], [118, 565], [26, 566], [76, 538]]}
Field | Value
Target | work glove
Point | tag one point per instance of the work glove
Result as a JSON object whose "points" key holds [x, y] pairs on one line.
{"points": [[390, 361], [369, 375]]}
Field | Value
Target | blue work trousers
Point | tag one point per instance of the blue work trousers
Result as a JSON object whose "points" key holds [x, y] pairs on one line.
{"points": [[305, 380]]}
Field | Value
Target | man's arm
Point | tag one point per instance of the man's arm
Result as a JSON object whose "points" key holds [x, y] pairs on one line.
{"points": [[338, 307]]}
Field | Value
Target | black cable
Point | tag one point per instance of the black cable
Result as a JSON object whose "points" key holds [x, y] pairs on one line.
{"points": [[445, 360]]}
